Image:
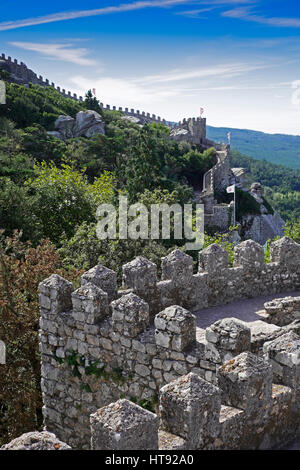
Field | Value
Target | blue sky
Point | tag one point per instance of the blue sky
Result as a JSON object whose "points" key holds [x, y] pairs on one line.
{"points": [[237, 59]]}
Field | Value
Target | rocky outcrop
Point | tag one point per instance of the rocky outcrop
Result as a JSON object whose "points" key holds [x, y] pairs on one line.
{"points": [[262, 227], [133, 119], [36, 441], [86, 124]]}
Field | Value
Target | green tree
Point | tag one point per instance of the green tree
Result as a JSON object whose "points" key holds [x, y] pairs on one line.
{"points": [[63, 198], [15, 210], [84, 250], [195, 164], [91, 102], [292, 230]]}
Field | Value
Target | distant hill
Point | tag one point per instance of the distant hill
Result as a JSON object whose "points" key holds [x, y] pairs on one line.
{"points": [[282, 149], [281, 184]]}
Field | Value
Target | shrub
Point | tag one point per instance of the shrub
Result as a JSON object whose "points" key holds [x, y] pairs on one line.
{"points": [[22, 267], [62, 198], [245, 204]]}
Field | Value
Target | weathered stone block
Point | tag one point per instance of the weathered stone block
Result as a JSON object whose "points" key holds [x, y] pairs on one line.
{"points": [[55, 294], [262, 332], [124, 426], [286, 252], [130, 315], [104, 278], [246, 383], [213, 259], [167, 441], [282, 311], [232, 422], [249, 255], [190, 408], [177, 267], [175, 328], [284, 354], [90, 304], [36, 441], [139, 275], [226, 338]]}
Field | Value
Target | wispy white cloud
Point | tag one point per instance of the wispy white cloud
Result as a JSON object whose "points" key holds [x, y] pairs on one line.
{"points": [[212, 5], [230, 2], [220, 70], [124, 7], [194, 13], [158, 88], [123, 91], [247, 15], [64, 52], [71, 15], [281, 85]]}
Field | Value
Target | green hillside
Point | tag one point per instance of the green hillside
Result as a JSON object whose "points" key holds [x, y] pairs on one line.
{"points": [[281, 184], [282, 149]]}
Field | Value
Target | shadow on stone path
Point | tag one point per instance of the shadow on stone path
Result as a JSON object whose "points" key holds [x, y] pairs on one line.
{"points": [[243, 309]]}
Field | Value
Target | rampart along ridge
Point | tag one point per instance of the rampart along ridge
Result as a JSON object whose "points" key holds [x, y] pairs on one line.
{"points": [[191, 129], [23, 75], [99, 345], [259, 227]]}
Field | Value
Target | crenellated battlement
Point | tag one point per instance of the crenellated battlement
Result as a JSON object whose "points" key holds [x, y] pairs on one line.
{"points": [[23, 75], [99, 344], [250, 408]]}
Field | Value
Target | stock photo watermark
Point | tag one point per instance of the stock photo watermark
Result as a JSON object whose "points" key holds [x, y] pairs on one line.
{"points": [[136, 221], [2, 92]]}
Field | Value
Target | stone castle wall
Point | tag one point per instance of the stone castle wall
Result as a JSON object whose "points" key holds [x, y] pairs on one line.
{"points": [[252, 407], [220, 217], [99, 344], [220, 175], [23, 75]]}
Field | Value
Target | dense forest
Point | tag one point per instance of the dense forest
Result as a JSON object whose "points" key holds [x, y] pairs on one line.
{"points": [[281, 184], [281, 149], [49, 192]]}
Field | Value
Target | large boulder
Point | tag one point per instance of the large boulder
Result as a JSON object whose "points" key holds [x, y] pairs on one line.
{"points": [[64, 125], [55, 134], [132, 119], [262, 227], [87, 124]]}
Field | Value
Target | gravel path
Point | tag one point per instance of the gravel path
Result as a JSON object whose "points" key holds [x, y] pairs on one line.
{"points": [[244, 310]]}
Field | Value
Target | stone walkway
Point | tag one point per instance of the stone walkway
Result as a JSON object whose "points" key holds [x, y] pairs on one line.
{"points": [[244, 310]]}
